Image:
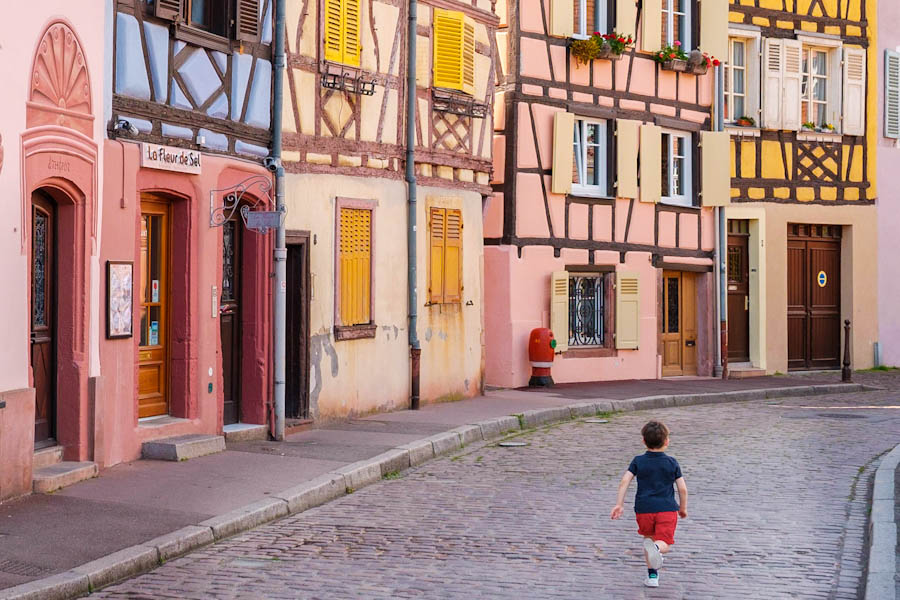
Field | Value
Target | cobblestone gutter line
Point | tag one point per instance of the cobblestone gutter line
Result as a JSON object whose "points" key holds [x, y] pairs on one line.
{"points": [[144, 557], [880, 582]]}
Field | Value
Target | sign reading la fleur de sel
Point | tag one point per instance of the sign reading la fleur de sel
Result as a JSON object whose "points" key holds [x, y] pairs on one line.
{"points": [[169, 158]]}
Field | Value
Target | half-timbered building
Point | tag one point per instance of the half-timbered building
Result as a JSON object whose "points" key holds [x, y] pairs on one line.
{"points": [[800, 105], [601, 224], [345, 118]]}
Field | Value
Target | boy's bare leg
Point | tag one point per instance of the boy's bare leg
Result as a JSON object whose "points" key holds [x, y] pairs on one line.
{"points": [[663, 547]]}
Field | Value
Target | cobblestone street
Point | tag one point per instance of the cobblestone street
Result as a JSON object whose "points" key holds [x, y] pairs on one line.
{"points": [[777, 510]]}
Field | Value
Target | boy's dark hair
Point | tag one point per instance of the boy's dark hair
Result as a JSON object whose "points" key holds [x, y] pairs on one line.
{"points": [[655, 434]]}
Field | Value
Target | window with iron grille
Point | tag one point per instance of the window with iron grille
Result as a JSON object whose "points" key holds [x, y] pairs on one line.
{"points": [[587, 308]]}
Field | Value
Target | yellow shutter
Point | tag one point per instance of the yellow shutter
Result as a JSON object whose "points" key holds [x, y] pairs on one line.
{"points": [[627, 134], [562, 18], [563, 152], [715, 153], [626, 16], [351, 32], [651, 163], [436, 235], [628, 313], [453, 257], [714, 28], [468, 58], [449, 39], [651, 26], [559, 309], [356, 266], [333, 30]]}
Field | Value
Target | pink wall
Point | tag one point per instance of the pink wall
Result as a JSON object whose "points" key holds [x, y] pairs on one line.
{"points": [[888, 199]]}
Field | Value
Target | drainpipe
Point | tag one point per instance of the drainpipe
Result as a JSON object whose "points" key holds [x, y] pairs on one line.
{"points": [[280, 248], [723, 239], [415, 349]]}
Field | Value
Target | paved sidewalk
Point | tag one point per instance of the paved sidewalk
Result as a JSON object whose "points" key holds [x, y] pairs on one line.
{"points": [[128, 504]]}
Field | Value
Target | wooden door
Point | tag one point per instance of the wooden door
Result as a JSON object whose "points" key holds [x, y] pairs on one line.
{"points": [[679, 324], [230, 319], [814, 302], [154, 297], [43, 316], [297, 386], [738, 291]]}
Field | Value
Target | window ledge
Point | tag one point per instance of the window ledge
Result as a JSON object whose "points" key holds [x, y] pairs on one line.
{"points": [[739, 131], [354, 332], [195, 35], [818, 136], [678, 204], [590, 352]]}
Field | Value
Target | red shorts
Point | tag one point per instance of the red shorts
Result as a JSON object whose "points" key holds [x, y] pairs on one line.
{"points": [[659, 526]]}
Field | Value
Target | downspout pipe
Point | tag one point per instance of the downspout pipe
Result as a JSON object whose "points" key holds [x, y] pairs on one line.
{"points": [[280, 256], [723, 237], [415, 349]]}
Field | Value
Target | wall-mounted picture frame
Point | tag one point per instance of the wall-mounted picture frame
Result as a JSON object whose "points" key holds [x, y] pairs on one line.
{"points": [[119, 299]]}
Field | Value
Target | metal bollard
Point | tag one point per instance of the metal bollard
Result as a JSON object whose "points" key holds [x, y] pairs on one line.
{"points": [[846, 372]]}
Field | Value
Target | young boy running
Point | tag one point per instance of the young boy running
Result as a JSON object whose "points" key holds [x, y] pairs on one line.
{"points": [[654, 505]]}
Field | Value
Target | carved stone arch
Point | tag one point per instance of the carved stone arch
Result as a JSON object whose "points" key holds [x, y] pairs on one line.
{"points": [[59, 87]]}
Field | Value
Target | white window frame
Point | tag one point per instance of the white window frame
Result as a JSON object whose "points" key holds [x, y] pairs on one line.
{"points": [[600, 189], [808, 84], [687, 197], [601, 17], [752, 67], [668, 16], [834, 86]]}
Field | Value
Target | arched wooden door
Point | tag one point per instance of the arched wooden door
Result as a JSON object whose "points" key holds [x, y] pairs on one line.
{"points": [[43, 316], [154, 298]]}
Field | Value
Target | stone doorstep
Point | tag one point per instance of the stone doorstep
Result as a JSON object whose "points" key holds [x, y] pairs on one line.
{"points": [[56, 476], [182, 447], [745, 373], [46, 457], [245, 432]]}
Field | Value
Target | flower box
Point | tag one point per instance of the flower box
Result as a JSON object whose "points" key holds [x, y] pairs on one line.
{"points": [[675, 64], [700, 69], [607, 53]]}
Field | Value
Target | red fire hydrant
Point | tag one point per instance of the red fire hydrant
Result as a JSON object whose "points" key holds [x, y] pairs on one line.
{"points": [[541, 349]]}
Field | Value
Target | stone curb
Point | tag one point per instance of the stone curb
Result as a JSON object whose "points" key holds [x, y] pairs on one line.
{"points": [[141, 558], [882, 564]]}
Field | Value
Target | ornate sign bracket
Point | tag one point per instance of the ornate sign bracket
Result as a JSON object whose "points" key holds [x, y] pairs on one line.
{"points": [[244, 198]]}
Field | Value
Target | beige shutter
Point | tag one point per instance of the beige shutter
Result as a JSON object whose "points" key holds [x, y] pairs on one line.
{"points": [[628, 311], [168, 9], [627, 135], [626, 17], [715, 153], [772, 62], [562, 18], [651, 163], [563, 152], [651, 26], [247, 21], [714, 28], [854, 91], [791, 84], [891, 94], [559, 309]]}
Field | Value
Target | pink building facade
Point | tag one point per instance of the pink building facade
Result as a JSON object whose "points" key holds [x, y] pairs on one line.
{"points": [[606, 172]]}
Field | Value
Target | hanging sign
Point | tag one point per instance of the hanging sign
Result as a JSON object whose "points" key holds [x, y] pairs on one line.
{"points": [[822, 279], [262, 220], [169, 158]]}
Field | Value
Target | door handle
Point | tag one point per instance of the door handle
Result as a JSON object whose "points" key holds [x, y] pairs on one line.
{"points": [[746, 302], [690, 343]]}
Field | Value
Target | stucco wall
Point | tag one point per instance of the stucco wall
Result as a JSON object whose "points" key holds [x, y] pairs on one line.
{"points": [[889, 200]]}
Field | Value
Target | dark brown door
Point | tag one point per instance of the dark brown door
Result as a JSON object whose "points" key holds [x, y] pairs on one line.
{"points": [[738, 291], [814, 296], [154, 297], [43, 316], [230, 320], [297, 387]]}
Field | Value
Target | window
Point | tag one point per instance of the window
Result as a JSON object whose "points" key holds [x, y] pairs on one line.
{"points": [[676, 23], [353, 280], [212, 23], [814, 87], [587, 310], [445, 266], [589, 172], [341, 31], [590, 16], [208, 15], [676, 169], [454, 51], [736, 81]]}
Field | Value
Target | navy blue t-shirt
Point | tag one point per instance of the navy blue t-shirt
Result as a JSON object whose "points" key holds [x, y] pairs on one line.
{"points": [[656, 472]]}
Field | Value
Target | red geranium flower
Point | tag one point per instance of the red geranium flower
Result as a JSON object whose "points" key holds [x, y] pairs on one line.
{"points": [[672, 55], [717, 62]]}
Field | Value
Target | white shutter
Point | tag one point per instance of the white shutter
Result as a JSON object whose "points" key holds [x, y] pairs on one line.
{"points": [[854, 91], [791, 82], [627, 135], [891, 94], [559, 309], [563, 152], [651, 26], [628, 311], [772, 63]]}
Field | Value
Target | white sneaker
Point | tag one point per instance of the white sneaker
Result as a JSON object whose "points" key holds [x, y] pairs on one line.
{"points": [[653, 554], [652, 581]]}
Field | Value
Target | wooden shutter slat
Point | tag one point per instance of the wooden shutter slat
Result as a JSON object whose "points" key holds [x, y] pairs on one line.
{"points": [[891, 94], [651, 163], [436, 234], [628, 314], [453, 256], [247, 20], [772, 66], [791, 84], [333, 30], [854, 113], [170, 10], [563, 152], [351, 32], [559, 309]]}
